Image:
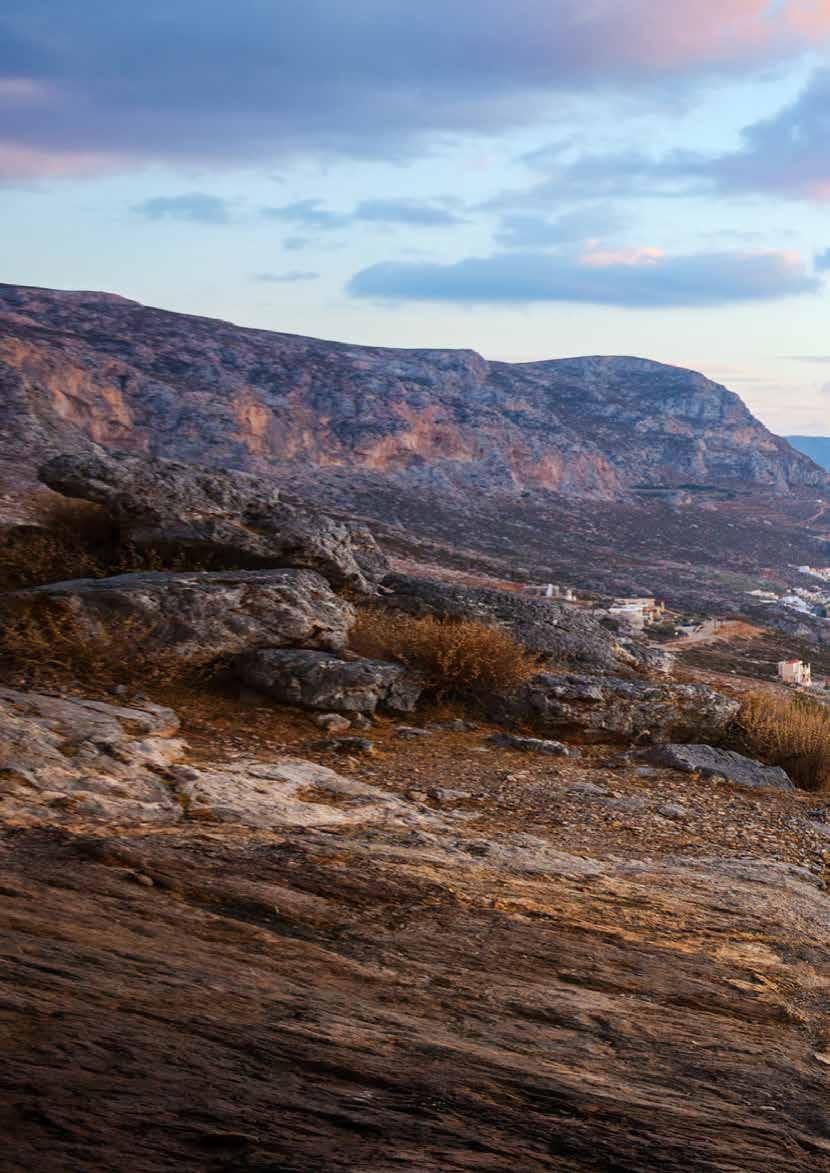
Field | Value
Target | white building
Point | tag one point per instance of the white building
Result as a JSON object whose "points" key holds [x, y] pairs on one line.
{"points": [[796, 673], [630, 614]]}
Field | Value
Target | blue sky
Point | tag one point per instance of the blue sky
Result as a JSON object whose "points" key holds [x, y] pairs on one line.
{"points": [[532, 180]]}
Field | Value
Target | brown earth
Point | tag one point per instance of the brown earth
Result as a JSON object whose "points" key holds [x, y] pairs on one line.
{"points": [[568, 965]]}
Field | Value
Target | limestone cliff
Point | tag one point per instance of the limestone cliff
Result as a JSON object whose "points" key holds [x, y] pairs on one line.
{"points": [[81, 367]]}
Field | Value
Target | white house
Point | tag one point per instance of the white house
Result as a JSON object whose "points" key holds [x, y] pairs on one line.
{"points": [[796, 673]]}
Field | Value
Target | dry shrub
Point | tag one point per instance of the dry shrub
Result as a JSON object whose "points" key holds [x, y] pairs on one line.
{"points": [[78, 539], [50, 646], [791, 732], [82, 521], [458, 657], [67, 542], [29, 557]]}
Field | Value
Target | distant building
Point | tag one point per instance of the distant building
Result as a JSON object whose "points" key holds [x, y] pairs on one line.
{"points": [[551, 590], [793, 601], [796, 673], [629, 614], [651, 610]]}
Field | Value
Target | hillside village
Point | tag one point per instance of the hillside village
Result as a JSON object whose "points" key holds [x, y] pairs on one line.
{"points": [[649, 616]]}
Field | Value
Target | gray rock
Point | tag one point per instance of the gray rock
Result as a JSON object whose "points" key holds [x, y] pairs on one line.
{"points": [[442, 794], [289, 792], [167, 504], [673, 810], [314, 680], [588, 790], [208, 613], [534, 745], [719, 763], [408, 731], [351, 745], [333, 722], [609, 708], [70, 758]]}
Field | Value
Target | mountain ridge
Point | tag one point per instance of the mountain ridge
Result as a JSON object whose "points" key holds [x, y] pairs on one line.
{"points": [[80, 368]]}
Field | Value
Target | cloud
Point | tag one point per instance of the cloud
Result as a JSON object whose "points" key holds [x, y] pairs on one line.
{"points": [[821, 261], [196, 206], [309, 214], [785, 155], [529, 231], [289, 278], [404, 211], [207, 81], [630, 278]]}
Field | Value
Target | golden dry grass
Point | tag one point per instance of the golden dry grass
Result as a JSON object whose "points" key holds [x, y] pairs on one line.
{"points": [[458, 658], [791, 732], [48, 645], [77, 539]]}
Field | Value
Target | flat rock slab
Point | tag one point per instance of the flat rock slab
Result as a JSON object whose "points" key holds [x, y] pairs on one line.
{"points": [[314, 680], [208, 613], [614, 708], [65, 758], [290, 792], [534, 745], [710, 762], [168, 504]]}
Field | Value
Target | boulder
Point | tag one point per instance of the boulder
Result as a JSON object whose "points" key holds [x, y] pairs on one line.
{"points": [[533, 745], [204, 614], [70, 758], [314, 680], [610, 708], [718, 763], [235, 516], [291, 792], [562, 635]]}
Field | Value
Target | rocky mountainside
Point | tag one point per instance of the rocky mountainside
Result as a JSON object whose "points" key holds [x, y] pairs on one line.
{"points": [[556, 923], [77, 368]]}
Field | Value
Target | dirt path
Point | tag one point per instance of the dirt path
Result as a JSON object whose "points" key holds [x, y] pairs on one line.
{"points": [[714, 631]]}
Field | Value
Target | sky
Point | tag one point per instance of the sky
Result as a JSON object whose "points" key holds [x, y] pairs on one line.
{"points": [[530, 179]]}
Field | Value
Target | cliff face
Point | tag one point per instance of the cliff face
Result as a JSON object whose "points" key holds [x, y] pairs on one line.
{"points": [[81, 367]]}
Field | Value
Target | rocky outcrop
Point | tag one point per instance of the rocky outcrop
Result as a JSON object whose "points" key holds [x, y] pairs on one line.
{"points": [[558, 633], [289, 792], [68, 758], [234, 516], [204, 614], [719, 763], [78, 369], [314, 680], [533, 745], [613, 708]]}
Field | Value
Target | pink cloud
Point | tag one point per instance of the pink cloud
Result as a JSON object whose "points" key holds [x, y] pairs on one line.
{"points": [[671, 36]]}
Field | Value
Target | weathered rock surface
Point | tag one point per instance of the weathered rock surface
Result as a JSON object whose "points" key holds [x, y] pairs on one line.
{"points": [[403, 997], [66, 758], [167, 504], [290, 792], [610, 707], [314, 680], [718, 763], [534, 745], [557, 632], [204, 614], [165, 384]]}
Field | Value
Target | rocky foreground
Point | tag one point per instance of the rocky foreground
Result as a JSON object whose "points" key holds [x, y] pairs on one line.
{"points": [[445, 955], [304, 918]]}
